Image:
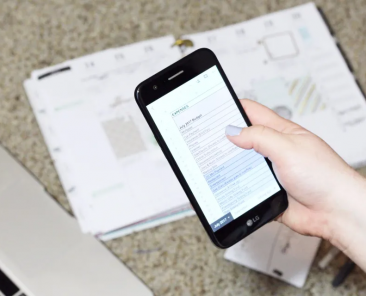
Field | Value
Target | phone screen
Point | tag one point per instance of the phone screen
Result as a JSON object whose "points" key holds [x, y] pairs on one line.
{"points": [[227, 181]]}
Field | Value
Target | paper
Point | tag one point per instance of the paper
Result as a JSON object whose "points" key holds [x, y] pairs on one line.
{"points": [[289, 61], [164, 218], [277, 251], [113, 172], [109, 163]]}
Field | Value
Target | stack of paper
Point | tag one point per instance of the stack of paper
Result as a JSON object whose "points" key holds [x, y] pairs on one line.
{"points": [[111, 168], [113, 172]]}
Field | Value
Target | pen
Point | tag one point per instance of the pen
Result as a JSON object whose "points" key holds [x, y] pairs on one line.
{"points": [[343, 273]]}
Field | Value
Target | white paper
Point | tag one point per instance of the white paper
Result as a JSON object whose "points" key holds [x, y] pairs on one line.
{"points": [[289, 61], [163, 219], [277, 251], [52, 142], [286, 60], [99, 140]]}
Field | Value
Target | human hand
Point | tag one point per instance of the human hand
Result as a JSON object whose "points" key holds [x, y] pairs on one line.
{"points": [[324, 192]]}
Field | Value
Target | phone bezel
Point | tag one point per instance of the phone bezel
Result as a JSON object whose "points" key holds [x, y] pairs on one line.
{"points": [[145, 93]]}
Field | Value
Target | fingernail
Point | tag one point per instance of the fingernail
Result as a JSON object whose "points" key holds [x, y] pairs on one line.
{"points": [[232, 130]]}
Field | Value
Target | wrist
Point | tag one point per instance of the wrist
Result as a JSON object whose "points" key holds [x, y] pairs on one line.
{"points": [[346, 221]]}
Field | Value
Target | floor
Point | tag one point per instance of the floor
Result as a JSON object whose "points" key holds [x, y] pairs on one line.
{"points": [[178, 258]]}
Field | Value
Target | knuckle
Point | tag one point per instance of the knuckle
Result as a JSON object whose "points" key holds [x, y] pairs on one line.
{"points": [[260, 132], [261, 129]]}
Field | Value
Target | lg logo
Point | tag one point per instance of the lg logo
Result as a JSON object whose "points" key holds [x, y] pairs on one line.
{"points": [[250, 222]]}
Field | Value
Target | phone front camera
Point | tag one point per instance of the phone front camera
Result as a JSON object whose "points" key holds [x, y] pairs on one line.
{"points": [[155, 87]]}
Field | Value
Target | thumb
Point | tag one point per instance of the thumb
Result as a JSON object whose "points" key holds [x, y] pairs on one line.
{"points": [[264, 140]]}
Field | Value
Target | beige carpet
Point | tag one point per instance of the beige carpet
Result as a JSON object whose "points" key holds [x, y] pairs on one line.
{"points": [[174, 259]]}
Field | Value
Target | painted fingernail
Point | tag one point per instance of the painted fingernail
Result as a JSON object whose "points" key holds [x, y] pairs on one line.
{"points": [[232, 130]]}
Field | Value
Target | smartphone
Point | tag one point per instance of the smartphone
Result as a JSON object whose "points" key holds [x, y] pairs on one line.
{"points": [[188, 106]]}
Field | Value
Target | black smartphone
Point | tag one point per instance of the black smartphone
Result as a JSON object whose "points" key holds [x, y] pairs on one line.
{"points": [[188, 106]]}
